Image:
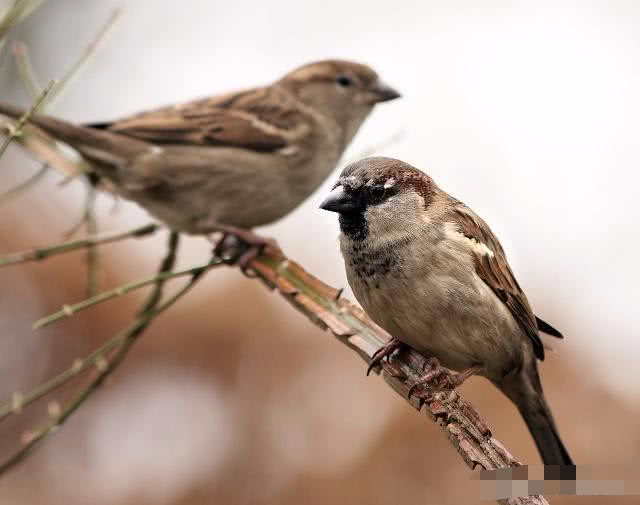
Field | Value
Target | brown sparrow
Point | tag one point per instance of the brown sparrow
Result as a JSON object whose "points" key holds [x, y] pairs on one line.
{"points": [[233, 161], [428, 270]]}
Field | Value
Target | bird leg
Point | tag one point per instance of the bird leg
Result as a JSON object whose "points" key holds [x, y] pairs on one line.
{"points": [[386, 350], [253, 246], [440, 377]]}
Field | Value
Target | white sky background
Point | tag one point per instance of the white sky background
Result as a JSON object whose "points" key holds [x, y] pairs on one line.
{"points": [[527, 111]]}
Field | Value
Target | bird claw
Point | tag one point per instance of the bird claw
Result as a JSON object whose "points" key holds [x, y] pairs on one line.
{"points": [[386, 350], [244, 259], [439, 377], [251, 246], [221, 246]]}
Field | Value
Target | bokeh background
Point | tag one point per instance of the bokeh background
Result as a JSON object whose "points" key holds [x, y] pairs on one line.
{"points": [[527, 111]]}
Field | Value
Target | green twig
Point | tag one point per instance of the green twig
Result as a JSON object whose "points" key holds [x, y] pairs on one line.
{"points": [[84, 57], [86, 213], [150, 309], [24, 186], [70, 310], [16, 130], [28, 76], [47, 252], [30, 82], [88, 218], [25, 70], [165, 267], [31, 5], [93, 259], [17, 13], [21, 400]]}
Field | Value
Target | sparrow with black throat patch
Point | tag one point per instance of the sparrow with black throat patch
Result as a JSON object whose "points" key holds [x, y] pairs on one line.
{"points": [[428, 270], [230, 162]]}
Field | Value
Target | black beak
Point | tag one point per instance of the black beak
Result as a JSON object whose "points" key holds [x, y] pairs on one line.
{"points": [[383, 92], [340, 201]]}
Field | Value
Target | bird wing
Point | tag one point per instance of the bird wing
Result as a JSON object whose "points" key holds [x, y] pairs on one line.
{"points": [[262, 119], [545, 327], [492, 267]]}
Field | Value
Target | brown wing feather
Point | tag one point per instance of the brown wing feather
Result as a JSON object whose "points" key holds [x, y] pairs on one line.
{"points": [[496, 273], [545, 327], [259, 120]]}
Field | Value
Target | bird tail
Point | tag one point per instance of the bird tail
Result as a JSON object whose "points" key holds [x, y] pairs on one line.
{"points": [[103, 147], [526, 392], [545, 434]]}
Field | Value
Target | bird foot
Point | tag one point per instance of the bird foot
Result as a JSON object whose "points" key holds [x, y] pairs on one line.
{"points": [[250, 246], [439, 377], [385, 351]]}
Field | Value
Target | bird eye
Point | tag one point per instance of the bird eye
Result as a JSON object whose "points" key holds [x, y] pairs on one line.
{"points": [[344, 81]]}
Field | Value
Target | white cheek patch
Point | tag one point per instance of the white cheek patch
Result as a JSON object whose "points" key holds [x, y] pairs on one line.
{"points": [[390, 182]]}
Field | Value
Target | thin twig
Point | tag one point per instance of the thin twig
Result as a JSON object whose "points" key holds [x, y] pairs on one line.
{"points": [[70, 310], [372, 149], [150, 309], [18, 189], [29, 78], [87, 210], [165, 267], [32, 5], [84, 57], [25, 70], [89, 219], [93, 258], [21, 400], [45, 149], [30, 82], [16, 130], [17, 13], [46, 252]]}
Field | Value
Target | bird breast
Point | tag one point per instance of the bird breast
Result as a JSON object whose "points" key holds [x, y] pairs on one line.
{"points": [[427, 294]]}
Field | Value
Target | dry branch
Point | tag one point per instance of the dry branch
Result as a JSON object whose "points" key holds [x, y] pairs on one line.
{"points": [[464, 426]]}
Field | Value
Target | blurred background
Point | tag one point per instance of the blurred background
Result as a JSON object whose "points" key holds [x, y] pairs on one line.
{"points": [[527, 111]]}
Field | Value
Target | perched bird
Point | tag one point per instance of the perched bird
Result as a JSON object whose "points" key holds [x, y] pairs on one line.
{"points": [[234, 161], [428, 270]]}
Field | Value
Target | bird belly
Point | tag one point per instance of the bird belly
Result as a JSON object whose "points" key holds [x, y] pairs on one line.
{"points": [[448, 313], [208, 186]]}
